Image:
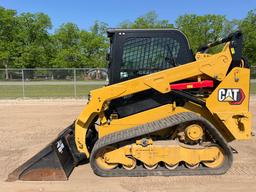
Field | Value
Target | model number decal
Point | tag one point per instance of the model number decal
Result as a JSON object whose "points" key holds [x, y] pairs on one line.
{"points": [[234, 96]]}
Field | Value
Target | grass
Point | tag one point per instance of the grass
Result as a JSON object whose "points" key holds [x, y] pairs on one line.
{"points": [[54, 91], [39, 91]]}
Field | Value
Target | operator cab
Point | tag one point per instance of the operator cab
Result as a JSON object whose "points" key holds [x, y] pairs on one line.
{"points": [[138, 52]]}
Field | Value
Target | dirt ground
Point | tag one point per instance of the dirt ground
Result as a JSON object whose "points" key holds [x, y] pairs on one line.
{"points": [[26, 126]]}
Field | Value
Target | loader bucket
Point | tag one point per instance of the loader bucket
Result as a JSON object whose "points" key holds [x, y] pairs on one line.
{"points": [[54, 163]]}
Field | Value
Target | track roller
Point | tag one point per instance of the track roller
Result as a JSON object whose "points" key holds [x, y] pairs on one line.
{"points": [[150, 167], [189, 166], [101, 159], [132, 166], [217, 162], [171, 167]]}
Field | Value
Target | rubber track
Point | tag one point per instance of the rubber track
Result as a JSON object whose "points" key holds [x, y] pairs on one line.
{"points": [[131, 133]]}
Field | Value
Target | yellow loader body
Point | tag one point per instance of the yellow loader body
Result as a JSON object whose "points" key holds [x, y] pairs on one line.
{"points": [[177, 121]]}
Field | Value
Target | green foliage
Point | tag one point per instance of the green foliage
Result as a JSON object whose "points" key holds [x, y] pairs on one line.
{"points": [[67, 36], [201, 30], [33, 41], [26, 43], [24, 39], [8, 31], [149, 20], [99, 28], [78, 48], [248, 26]]}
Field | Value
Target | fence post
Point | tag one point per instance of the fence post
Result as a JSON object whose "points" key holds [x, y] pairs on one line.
{"points": [[74, 81], [23, 83]]}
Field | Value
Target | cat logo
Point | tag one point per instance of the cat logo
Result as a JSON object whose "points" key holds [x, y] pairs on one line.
{"points": [[233, 96]]}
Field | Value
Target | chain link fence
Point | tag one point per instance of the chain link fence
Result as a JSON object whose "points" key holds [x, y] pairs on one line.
{"points": [[59, 82], [37, 83]]}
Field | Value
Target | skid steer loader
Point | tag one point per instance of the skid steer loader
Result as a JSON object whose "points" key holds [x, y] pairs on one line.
{"points": [[164, 112]]}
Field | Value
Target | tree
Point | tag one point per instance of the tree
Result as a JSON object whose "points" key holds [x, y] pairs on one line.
{"points": [[99, 28], [8, 31], [34, 49], [248, 27], [78, 48], [149, 20], [94, 48], [67, 36], [66, 44], [201, 30], [26, 43]]}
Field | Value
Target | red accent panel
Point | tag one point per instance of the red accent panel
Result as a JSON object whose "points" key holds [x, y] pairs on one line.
{"points": [[242, 97], [192, 85]]}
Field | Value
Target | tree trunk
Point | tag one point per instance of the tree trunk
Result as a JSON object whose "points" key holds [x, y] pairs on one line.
{"points": [[6, 70]]}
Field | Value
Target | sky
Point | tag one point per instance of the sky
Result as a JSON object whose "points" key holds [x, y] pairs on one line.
{"points": [[85, 12]]}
